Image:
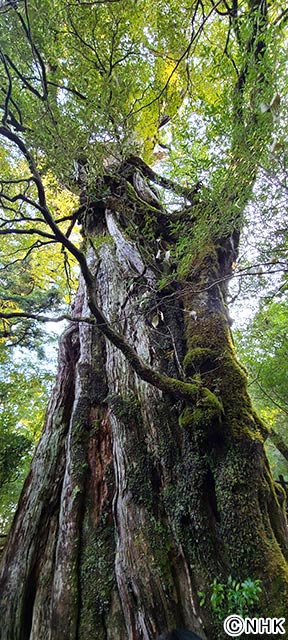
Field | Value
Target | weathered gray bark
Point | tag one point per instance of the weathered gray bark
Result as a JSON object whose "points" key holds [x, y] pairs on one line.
{"points": [[136, 499]]}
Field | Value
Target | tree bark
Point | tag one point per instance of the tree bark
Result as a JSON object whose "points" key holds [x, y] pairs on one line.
{"points": [[278, 442], [138, 497]]}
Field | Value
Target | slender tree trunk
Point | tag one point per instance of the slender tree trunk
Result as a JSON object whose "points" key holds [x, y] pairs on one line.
{"points": [[137, 499], [278, 442]]}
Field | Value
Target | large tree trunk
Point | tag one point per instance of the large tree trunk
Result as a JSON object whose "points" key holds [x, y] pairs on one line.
{"points": [[136, 498]]}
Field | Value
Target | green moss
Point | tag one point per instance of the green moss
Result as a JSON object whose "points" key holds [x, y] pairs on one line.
{"points": [[155, 550], [126, 409], [134, 197], [250, 521], [208, 410], [161, 545], [98, 241], [211, 332], [178, 388], [221, 428], [198, 359], [211, 355], [233, 371], [140, 474], [192, 526], [140, 464], [97, 577], [186, 418], [210, 401]]}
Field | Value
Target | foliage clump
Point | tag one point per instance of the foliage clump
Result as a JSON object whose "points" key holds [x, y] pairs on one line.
{"points": [[233, 597]]}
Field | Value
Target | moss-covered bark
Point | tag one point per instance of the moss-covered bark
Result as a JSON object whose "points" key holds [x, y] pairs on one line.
{"points": [[141, 494]]}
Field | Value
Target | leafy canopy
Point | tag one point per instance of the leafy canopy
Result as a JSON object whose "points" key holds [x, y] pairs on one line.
{"points": [[98, 80], [99, 77]]}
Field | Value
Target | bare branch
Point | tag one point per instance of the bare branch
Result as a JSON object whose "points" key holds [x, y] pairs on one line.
{"points": [[60, 237], [16, 181], [13, 119], [9, 91], [100, 67], [36, 53], [40, 318], [282, 18], [279, 406], [222, 13], [36, 245], [26, 232], [24, 79], [73, 216], [69, 89], [22, 198], [91, 4]]}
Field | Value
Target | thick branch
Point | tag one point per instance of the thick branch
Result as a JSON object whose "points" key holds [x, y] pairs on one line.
{"points": [[186, 192], [34, 316]]}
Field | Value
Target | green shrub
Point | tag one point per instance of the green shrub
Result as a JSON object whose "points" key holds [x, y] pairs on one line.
{"points": [[232, 597]]}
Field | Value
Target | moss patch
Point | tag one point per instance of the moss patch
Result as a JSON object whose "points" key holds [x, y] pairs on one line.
{"points": [[198, 359], [97, 577], [206, 414]]}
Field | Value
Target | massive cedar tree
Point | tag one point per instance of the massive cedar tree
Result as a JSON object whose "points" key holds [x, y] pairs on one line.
{"points": [[150, 478]]}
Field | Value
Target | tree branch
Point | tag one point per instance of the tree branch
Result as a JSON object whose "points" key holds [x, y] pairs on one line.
{"points": [[34, 316], [20, 123], [69, 89], [28, 232], [36, 245], [186, 192], [278, 443], [36, 53], [25, 81], [9, 91], [59, 236], [283, 17]]}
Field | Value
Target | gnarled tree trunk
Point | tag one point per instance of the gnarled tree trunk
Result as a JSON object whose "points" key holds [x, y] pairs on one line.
{"points": [[137, 498]]}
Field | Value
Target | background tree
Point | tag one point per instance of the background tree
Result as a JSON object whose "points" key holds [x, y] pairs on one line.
{"points": [[150, 478], [264, 351], [261, 279], [24, 388]]}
